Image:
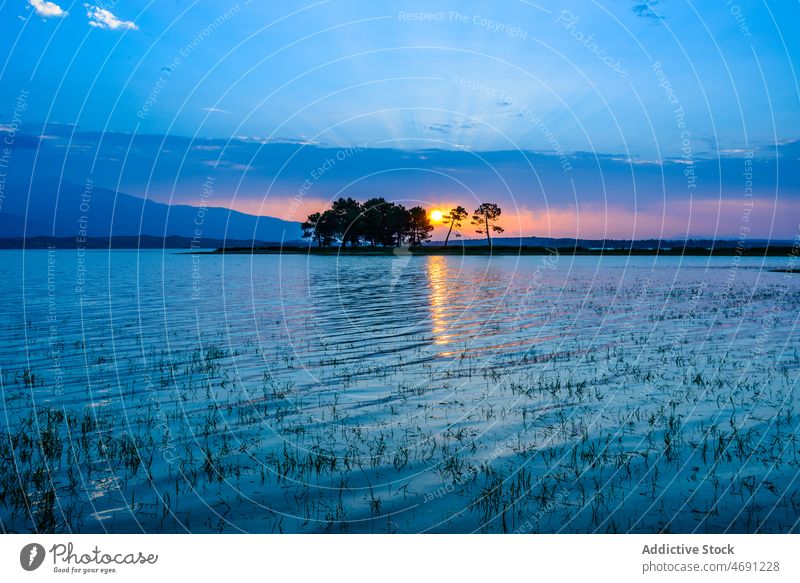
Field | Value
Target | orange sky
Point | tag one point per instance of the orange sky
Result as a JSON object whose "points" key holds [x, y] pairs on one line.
{"points": [[673, 220]]}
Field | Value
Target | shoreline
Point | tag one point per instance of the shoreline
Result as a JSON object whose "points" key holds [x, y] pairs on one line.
{"points": [[476, 250]]}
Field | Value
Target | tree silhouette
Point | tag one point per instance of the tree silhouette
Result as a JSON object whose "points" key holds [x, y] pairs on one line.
{"points": [[398, 226], [419, 226], [348, 214], [376, 222], [483, 218], [309, 227], [454, 218], [376, 227], [321, 227], [327, 228]]}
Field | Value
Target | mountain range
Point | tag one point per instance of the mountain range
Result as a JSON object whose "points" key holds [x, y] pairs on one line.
{"points": [[65, 209]]}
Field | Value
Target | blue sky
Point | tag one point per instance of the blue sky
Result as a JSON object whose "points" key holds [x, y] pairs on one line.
{"points": [[631, 86]]}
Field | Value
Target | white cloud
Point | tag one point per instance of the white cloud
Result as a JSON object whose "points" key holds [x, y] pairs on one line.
{"points": [[47, 9], [638, 161], [102, 18]]}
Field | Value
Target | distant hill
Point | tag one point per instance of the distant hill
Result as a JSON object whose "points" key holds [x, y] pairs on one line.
{"points": [[108, 213], [125, 242], [12, 225]]}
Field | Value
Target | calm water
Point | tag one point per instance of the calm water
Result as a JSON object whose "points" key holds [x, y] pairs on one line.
{"points": [[164, 392]]}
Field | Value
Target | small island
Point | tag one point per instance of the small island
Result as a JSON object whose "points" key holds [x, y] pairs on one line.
{"points": [[378, 227], [378, 223]]}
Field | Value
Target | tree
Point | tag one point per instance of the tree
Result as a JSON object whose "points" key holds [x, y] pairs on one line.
{"points": [[348, 214], [483, 218], [376, 228], [399, 222], [454, 219], [377, 222], [327, 228], [310, 227], [419, 226], [321, 227]]}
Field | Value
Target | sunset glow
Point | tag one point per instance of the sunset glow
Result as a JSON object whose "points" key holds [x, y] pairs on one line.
{"points": [[401, 268]]}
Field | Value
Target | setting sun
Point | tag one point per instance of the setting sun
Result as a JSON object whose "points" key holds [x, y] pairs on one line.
{"points": [[436, 216]]}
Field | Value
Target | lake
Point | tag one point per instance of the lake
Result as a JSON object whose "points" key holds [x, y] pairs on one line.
{"points": [[159, 391]]}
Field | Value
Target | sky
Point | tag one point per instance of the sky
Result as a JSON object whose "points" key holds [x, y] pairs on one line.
{"points": [[598, 118]]}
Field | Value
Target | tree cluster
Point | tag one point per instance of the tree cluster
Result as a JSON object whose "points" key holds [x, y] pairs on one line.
{"points": [[376, 222], [380, 223]]}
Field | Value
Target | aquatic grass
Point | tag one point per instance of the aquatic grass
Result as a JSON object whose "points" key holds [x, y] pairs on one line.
{"points": [[302, 427]]}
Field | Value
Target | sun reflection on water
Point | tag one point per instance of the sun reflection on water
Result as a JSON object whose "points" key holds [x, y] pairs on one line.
{"points": [[439, 299]]}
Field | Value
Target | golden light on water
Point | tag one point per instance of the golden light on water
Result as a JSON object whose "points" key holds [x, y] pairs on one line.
{"points": [[437, 280], [436, 216]]}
